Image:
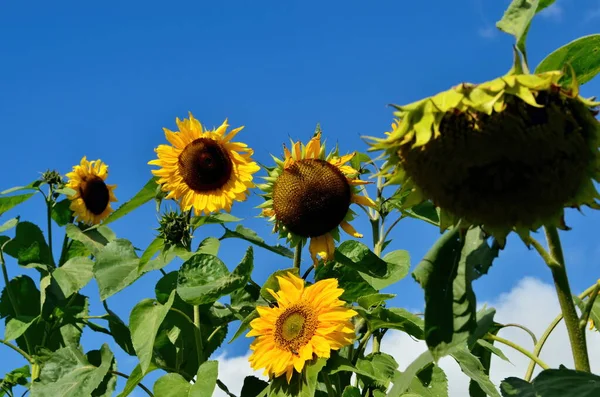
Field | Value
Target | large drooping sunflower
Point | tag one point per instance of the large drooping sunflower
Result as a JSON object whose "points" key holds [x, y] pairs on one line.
{"points": [[307, 321], [91, 200], [203, 168], [308, 195], [508, 154]]}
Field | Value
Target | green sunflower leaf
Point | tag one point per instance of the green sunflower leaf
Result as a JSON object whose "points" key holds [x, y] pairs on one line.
{"points": [[144, 321], [351, 391], [61, 213], [204, 278], [147, 193], [349, 280], [218, 218], [7, 203], [472, 367], [94, 239], [120, 331], [29, 245], [9, 224], [244, 325], [554, 383], [517, 19], [32, 186], [582, 54], [403, 380], [69, 370], [394, 318], [15, 327], [251, 236], [74, 274], [430, 381], [380, 366], [369, 301], [253, 386], [116, 267]]}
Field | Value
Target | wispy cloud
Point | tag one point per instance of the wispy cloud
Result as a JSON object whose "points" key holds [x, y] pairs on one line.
{"points": [[488, 32], [554, 12]]}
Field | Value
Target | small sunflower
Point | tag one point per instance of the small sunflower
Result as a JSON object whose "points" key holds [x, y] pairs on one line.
{"points": [[307, 321], [308, 195], [92, 198], [203, 168], [508, 154]]}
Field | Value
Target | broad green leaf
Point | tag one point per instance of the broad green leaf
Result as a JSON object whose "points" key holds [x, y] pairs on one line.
{"points": [[218, 218], [18, 376], [251, 236], [517, 19], [157, 245], [493, 349], [253, 386], [75, 249], [172, 385], [379, 366], [273, 283], [135, 378], [554, 383], [16, 326], [147, 193], [93, 239], [485, 324], [206, 380], [74, 275], [61, 213], [349, 280], [116, 267], [371, 300], [394, 318], [144, 321], [32, 186], [431, 381], [482, 351], [403, 380], [204, 278], [209, 245], [358, 256], [337, 363], [7, 203], [582, 54], [29, 245], [445, 273], [351, 391], [398, 264], [107, 386], [69, 374], [473, 368], [9, 224], [543, 4]]}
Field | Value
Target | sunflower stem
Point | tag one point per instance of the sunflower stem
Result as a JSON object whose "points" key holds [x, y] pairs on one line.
{"points": [[298, 256], [565, 299], [307, 272], [18, 350], [198, 334], [49, 205], [327, 381], [361, 346], [518, 348]]}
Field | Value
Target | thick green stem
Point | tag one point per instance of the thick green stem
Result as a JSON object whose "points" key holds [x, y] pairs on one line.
{"points": [[565, 299], [49, 205], [198, 334], [327, 381], [298, 256], [540, 344], [18, 350], [361, 346], [520, 349]]}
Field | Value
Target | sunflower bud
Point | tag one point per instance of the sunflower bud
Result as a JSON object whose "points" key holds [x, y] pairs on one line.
{"points": [[175, 229], [53, 178]]}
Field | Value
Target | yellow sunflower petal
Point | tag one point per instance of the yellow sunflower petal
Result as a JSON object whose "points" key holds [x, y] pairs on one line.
{"points": [[363, 200], [322, 246], [350, 230]]}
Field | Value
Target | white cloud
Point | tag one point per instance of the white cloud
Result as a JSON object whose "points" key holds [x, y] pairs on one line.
{"points": [[488, 32], [554, 12], [530, 303]]}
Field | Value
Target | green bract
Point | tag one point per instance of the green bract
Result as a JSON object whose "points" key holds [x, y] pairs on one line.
{"points": [[508, 154]]}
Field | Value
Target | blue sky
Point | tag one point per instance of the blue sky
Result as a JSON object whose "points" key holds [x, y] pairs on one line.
{"points": [[102, 80]]}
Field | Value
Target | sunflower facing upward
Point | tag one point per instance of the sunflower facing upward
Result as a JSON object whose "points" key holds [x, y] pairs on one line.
{"points": [[309, 195], [92, 198], [204, 169], [307, 321]]}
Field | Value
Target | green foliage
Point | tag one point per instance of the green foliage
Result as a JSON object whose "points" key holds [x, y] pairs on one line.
{"points": [[582, 54], [28, 246], [7, 203], [174, 385], [554, 383], [116, 267], [147, 193], [251, 236]]}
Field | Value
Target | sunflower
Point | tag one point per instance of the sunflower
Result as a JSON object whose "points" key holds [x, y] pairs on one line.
{"points": [[92, 198], [307, 321], [308, 195], [508, 155], [204, 169]]}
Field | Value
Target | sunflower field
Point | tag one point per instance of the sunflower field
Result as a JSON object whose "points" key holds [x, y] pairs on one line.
{"points": [[479, 161]]}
